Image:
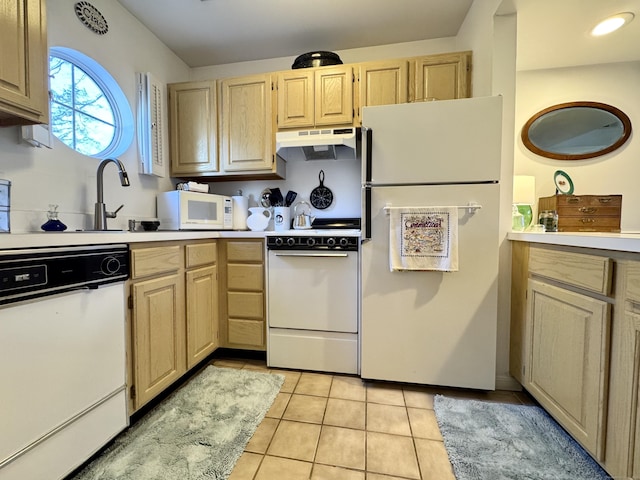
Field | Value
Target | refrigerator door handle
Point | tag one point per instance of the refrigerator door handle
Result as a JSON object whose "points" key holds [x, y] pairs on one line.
{"points": [[367, 135], [366, 209]]}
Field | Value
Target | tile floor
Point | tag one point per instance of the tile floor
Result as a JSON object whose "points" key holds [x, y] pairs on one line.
{"points": [[337, 427]]}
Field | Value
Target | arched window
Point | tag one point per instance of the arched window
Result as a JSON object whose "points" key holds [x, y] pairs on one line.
{"points": [[89, 111]]}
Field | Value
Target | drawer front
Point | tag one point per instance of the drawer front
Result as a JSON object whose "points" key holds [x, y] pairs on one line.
{"points": [[201, 254], [245, 305], [589, 200], [245, 277], [632, 291], [243, 251], [589, 272], [155, 260], [588, 224], [246, 332], [589, 210]]}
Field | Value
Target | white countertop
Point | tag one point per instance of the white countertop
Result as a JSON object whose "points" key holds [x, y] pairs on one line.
{"points": [[68, 238], [624, 242]]}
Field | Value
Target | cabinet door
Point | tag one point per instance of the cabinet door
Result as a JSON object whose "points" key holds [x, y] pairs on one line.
{"points": [[383, 83], [24, 63], [295, 99], [443, 77], [568, 360], [193, 127], [334, 96], [202, 313], [247, 142], [158, 337]]}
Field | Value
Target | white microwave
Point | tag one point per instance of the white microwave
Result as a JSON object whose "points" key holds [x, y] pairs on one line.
{"points": [[184, 210]]}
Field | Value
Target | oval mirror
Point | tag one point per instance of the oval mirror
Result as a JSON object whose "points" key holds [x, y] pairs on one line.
{"points": [[576, 130]]}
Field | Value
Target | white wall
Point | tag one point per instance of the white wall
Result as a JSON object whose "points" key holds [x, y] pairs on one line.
{"points": [[61, 176], [615, 173]]}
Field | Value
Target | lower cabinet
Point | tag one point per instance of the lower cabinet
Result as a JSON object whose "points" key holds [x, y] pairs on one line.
{"points": [[243, 320], [173, 314]]}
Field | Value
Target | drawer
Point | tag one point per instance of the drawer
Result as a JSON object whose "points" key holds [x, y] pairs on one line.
{"points": [[632, 291], [588, 210], [589, 272], [589, 200], [588, 224], [155, 260], [245, 305], [201, 254], [246, 277], [246, 332], [243, 251]]}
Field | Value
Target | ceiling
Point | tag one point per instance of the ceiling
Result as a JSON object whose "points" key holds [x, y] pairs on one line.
{"points": [[551, 33]]}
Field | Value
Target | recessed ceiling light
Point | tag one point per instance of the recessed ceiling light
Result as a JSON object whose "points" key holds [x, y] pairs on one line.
{"points": [[612, 24]]}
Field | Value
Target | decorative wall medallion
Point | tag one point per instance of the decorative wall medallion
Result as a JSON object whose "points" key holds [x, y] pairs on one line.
{"points": [[91, 17]]}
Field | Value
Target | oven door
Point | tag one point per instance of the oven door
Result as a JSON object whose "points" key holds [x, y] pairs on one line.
{"points": [[313, 290]]}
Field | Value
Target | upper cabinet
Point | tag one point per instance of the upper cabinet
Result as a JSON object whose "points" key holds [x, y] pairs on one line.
{"points": [[24, 95], [247, 124], [315, 97], [382, 83], [442, 77], [193, 127]]}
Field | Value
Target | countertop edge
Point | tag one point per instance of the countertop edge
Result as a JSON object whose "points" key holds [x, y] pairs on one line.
{"points": [[623, 242], [64, 239]]}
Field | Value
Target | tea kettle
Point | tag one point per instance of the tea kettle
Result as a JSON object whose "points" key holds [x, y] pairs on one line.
{"points": [[302, 220]]}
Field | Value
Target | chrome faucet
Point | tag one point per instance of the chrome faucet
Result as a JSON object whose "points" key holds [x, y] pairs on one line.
{"points": [[101, 214]]}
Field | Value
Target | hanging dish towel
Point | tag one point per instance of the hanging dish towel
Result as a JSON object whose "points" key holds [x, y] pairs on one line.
{"points": [[423, 238]]}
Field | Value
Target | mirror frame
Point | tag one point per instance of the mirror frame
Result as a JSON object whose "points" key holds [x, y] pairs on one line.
{"points": [[626, 123]]}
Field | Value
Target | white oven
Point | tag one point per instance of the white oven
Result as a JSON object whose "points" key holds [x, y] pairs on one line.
{"points": [[313, 300]]}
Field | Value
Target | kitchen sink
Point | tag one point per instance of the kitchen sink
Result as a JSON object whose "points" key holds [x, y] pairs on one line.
{"points": [[97, 231]]}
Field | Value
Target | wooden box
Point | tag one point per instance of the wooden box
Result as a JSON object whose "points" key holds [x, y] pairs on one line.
{"points": [[585, 213]]}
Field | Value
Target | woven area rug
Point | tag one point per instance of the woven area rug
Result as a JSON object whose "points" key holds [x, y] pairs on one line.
{"points": [[494, 441], [198, 432]]}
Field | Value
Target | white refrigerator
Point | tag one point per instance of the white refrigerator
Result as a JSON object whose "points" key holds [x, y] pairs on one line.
{"points": [[431, 327]]}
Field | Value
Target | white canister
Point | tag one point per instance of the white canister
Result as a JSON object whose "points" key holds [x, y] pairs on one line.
{"points": [[281, 218], [240, 211]]}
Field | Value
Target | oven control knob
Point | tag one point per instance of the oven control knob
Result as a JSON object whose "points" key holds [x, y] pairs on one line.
{"points": [[344, 242], [331, 242], [311, 241], [291, 241], [279, 241], [110, 265]]}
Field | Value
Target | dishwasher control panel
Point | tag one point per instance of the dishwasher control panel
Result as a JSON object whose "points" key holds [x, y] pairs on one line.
{"points": [[31, 273]]}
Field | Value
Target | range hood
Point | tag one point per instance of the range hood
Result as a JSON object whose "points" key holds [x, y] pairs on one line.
{"points": [[318, 144]]}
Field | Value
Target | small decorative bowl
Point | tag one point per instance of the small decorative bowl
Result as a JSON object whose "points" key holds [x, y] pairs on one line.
{"points": [[150, 225]]}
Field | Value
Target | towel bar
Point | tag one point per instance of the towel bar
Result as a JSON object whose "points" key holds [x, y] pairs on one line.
{"points": [[471, 207]]}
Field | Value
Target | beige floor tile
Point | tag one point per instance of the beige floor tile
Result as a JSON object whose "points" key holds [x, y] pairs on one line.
{"points": [[376, 476], [246, 466], [386, 394], [341, 447], [229, 363], [295, 440], [418, 398], [305, 408], [424, 424], [391, 455], [314, 384], [348, 388], [279, 405], [325, 472], [257, 368], [434, 462], [274, 468], [345, 413], [387, 419], [290, 380], [260, 440]]}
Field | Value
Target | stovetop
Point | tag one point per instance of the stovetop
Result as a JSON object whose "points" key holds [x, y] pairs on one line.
{"points": [[325, 234]]}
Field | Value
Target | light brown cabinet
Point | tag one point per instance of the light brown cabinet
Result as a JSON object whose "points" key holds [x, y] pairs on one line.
{"points": [[193, 126], [315, 97], [441, 77], [247, 142], [24, 97], [243, 321], [173, 314], [382, 83]]}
